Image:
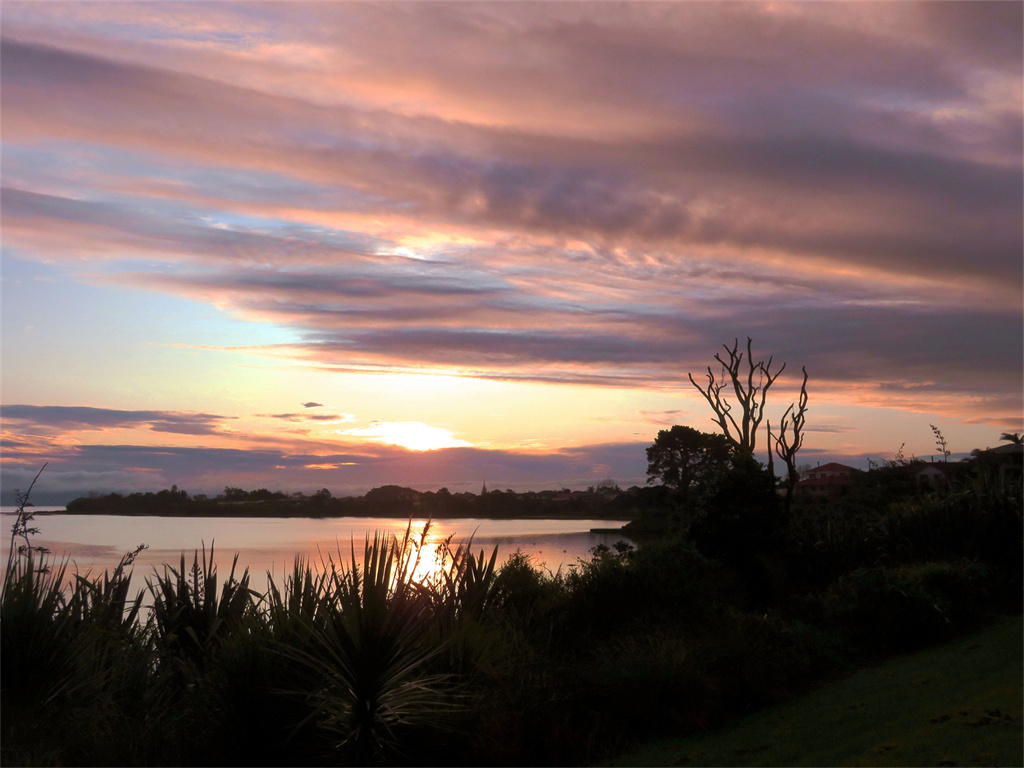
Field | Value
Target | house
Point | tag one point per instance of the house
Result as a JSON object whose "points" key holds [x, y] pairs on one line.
{"points": [[932, 474], [826, 481]]}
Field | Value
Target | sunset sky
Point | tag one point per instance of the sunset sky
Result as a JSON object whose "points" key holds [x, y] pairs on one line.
{"points": [[340, 245]]}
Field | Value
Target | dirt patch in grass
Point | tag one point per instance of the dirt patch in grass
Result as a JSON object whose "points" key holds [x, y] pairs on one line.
{"points": [[959, 704]]}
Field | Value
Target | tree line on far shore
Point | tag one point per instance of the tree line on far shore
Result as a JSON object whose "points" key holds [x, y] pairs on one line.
{"points": [[603, 501]]}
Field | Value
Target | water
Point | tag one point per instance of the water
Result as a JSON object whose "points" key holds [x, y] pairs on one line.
{"points": [[94, 543]]}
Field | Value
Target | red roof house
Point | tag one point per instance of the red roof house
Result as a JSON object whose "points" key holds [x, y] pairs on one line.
{"points": [[826, 480]]}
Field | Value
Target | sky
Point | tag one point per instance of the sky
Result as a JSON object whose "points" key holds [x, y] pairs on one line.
{"points": [[342, 245]]}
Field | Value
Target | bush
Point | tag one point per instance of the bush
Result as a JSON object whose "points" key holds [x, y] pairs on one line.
{"points": [[648, 684], [742, 523], [883, 609], [969, 524], [755, 660], [680, 584], [665, 583]]}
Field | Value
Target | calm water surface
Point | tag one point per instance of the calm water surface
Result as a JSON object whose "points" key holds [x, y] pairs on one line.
{"points": [[95, 543]]}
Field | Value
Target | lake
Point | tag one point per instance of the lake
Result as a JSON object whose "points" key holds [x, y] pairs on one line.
{"points": [[94, 543]]}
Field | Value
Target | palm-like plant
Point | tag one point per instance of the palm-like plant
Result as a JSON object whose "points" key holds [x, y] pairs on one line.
{"points": [[303, 600], [467, 582], [35, 632], [372, 654], [188, 613]]}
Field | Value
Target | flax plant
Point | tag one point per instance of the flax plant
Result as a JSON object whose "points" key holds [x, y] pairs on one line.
{"points": [[302, 601], [190, 616], [463, 590], [36, 664], [105, 600], [114, 714], [467, 582], [34, 631], [372, 654]]}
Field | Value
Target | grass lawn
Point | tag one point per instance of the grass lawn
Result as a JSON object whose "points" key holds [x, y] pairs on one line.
{"points": [[959, 704]]}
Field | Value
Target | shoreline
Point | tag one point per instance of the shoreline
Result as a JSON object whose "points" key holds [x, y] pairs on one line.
{"points": [[248, 513]]}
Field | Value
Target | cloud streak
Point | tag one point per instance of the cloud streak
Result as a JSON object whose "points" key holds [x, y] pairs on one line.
{"points": [[60, 418]]}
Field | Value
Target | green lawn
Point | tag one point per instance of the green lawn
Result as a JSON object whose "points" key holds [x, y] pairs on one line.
{"points": [[959, 704]]}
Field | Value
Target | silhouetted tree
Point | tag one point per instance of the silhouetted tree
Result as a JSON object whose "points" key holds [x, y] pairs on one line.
{"points": [[740, 523], [750, 395], [787, 444], [683, 458]]}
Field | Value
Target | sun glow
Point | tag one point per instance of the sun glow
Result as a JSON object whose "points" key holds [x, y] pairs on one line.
{"points": [[433, 557], [429, 563], [414, 435]]}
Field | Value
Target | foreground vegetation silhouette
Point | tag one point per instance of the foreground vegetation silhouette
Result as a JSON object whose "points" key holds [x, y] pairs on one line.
{"points": [[457, 658]]}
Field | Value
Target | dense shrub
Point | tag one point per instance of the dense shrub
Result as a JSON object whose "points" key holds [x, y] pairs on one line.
{"points": [[882, 609], [741, 522], [967, 524], [754, 660], [663, 583], [982, 523], [646, 685], [679, 584], [519, 587]]}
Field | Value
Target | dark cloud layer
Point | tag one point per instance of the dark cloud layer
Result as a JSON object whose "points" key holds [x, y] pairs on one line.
{"points": [[207, 470], [51, 418]]}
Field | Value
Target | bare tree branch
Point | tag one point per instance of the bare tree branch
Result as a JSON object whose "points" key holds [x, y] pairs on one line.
{"points": [[749, 395], [786, 445]]}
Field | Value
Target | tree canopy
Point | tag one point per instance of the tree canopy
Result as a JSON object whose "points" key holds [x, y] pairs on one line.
{"points": [[683, 458]]}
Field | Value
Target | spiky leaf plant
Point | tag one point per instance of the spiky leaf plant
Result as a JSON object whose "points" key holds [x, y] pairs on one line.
{"points": [[188, 613], [105, 600], [372, 655], [35, 632], [36, 669], [303, 600], [115, 711], [467, 582]]}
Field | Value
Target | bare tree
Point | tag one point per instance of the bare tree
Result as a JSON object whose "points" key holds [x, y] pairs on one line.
{"points": [[791, 438], [750, 395]]}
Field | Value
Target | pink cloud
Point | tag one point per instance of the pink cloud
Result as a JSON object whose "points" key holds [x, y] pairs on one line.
{"points": [[566, 193]]}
